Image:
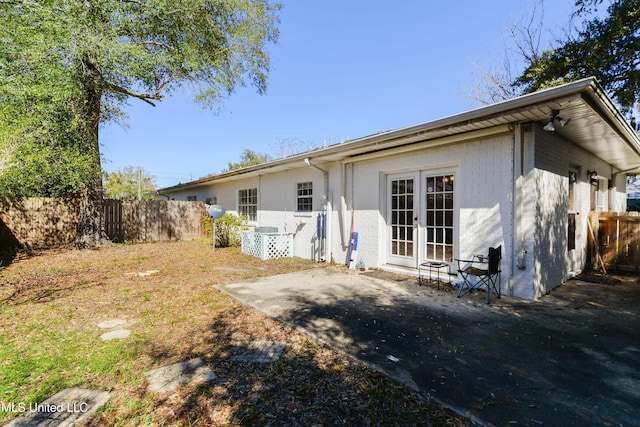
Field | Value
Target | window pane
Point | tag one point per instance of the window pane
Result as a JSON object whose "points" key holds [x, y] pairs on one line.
{"points": [[448, 253], [448, 236], [448, 218], [431, 218], [448, 201], [431, 184]]}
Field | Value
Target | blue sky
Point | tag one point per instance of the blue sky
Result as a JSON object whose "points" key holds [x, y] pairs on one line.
{"points": [[342, 69]]}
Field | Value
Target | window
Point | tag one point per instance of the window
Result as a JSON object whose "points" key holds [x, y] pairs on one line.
{"points": [[439, 239], [304, 197], [248, 203], [192, 198]]}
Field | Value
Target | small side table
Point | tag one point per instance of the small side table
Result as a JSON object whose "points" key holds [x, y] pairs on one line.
{"points": [[438, 265]]}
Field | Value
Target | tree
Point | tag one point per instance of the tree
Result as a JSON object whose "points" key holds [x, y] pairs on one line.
{"points": [[248, 158], [499, 81], [42, 136], [72, 65], [607, 48], [129, 184]]}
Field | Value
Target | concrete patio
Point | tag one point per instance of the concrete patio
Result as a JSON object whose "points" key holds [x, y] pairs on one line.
{"points": [[572, 358]]}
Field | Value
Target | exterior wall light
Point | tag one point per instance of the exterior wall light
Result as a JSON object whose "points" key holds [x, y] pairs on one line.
{"points": [[550, 127]]}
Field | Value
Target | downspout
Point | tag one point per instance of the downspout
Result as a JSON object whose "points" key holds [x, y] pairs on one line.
{"points": [[344, 233], [327, 203], [259, 208], [518, 240]]}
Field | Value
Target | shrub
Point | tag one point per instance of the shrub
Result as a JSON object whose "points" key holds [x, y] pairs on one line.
{"points": [[227, 229]]}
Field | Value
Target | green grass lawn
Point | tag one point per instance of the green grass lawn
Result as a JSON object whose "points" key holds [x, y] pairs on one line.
{"points": [[52, 301]]}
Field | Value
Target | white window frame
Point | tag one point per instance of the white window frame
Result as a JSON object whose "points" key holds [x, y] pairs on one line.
{"points": [[248, 203], [304, 196]]}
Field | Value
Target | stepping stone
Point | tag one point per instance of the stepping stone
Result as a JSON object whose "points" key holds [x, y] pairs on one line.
{"points": [[112, 323], [261, 352], [169, 378], [148, 273], [69, 407], [117, 334], [144, 273]]}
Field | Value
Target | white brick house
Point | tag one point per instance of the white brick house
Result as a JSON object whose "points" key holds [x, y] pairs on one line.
{"points": [[452, 188]]}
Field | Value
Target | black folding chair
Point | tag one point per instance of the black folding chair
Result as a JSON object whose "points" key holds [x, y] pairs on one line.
{"points": [[486, 270]]}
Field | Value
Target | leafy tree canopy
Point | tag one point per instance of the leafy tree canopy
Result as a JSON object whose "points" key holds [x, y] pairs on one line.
{"points": [[607, 48], [249, 158], [130, 183], [67, 66]]}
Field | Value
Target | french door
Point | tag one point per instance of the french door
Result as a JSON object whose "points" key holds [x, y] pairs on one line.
{"points": [[420, 218]]}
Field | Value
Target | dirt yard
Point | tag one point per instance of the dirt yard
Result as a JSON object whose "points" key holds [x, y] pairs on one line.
{"points": [[52, 301]]}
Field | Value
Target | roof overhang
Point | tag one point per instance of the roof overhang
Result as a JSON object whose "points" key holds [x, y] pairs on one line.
{"points": [[596, 125]]}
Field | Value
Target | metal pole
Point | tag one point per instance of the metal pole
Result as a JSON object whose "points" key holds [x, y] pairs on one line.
{"points": [[213, 221]]}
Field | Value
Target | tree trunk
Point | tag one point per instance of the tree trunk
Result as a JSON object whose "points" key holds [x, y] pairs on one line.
{"points": [[91, 231]]}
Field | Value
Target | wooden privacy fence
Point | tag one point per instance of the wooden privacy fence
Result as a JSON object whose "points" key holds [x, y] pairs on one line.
{"points": [[38, 222], [619, 240], [157, 220], [44, 222]]}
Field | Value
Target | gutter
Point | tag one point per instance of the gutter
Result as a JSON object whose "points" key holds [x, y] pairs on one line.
{"points": [[615, 119], [163, 195], [587, 88]]}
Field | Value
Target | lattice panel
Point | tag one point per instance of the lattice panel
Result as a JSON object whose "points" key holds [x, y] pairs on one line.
{"points": [[267, 246], [249, 244], [278, 246]]}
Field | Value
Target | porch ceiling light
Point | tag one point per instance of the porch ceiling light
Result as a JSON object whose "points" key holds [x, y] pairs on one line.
{"points": [[550, 127]]}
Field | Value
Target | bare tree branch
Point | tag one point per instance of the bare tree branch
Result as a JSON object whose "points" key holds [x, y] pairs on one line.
{"points": [[146, 97], [497, 83]]}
